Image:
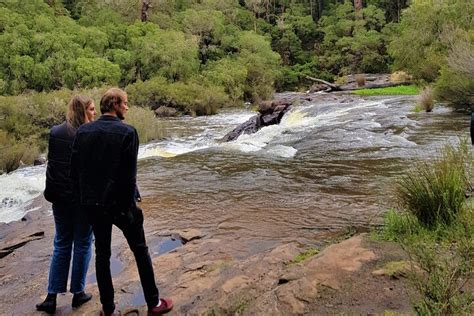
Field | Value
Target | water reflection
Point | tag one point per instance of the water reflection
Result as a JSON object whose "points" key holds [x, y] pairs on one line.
{"points": [[116, 266], [166, 245]]}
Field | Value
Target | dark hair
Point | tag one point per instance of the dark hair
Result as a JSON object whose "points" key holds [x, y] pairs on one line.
{"points": [[110, 98], [76, 114]]}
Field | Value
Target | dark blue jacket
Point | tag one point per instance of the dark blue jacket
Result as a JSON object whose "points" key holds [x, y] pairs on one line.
{"points": [[104, 163], [58, 182]]}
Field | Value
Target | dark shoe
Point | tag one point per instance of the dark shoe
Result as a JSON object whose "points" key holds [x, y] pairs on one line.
{"points": [[80, 298], [165, 306], [49, 304]]}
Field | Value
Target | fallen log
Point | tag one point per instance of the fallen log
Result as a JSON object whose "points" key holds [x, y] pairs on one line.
{"points": [[353, 86], [330, 85]]}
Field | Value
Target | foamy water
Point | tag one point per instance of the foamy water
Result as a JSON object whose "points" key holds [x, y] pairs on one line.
{"points": [[18, 189]]}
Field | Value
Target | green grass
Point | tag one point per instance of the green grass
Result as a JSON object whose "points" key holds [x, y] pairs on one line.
{"points": [[395, 269], [436, 229], [400, 90], [305, 255], [434, 191], [441, 261]]}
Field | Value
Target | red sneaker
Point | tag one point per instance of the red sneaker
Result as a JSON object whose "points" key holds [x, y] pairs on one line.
{"points": [[165, 306]]}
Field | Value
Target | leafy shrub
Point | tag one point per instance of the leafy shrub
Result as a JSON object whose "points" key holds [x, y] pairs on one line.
{"points": [[32, 115], [25, 121], [13, 154], [442, 261], [441, 257], [341, 80], [417, 46], [434, 192], [230, 74], [456, 81], [400, 76], [261, 63], [443, 270], [151, 93], [434, 43], [190, 98], [196, 99], [93, 72], [145, 122]]}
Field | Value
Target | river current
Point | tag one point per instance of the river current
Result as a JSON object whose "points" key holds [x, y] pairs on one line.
{"points": [[329, 165]]}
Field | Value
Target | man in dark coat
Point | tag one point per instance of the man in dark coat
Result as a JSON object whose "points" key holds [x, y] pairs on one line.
{"points": [[104, 168]]}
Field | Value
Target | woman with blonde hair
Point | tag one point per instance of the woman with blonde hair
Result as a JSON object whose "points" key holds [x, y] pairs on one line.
{"points": [[73, 232]]}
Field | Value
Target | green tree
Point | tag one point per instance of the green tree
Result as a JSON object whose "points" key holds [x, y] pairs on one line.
{"points": [[229, 73], [419, 47], [261, 62], [163, 52], [93, 72], [353, 43]]}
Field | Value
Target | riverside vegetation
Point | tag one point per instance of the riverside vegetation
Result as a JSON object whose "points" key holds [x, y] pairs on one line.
{"points": [[435, 226], [199, 56]]}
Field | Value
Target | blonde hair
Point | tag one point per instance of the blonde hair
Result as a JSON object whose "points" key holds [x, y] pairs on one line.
{"points": [[76, 114], [110, 98]]}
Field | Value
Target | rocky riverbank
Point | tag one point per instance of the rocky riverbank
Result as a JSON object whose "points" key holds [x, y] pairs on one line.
{"points": [[213, 275], [209, 274], [206, 276]]}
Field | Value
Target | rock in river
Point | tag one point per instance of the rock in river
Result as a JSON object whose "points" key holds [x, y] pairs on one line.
{"points": [[269, 113]]}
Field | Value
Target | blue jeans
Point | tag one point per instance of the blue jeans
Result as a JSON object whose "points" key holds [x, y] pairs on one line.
{"points": [[73, 234]]}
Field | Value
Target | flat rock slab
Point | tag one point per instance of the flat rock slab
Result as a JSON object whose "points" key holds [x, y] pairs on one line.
{"points": [[9, 246], [208, 275]]}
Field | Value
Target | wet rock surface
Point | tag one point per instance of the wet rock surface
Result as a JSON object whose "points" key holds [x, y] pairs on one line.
{"points": [[205, 275], [269, 113], [39, 161]]}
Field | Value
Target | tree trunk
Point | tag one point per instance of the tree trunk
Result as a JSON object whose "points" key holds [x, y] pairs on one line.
{"points": [[319, 10], [316, 7], [330, 85], [146, 5], [351, 87]]}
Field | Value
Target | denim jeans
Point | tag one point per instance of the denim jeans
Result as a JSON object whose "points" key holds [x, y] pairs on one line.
{"points": [[73, 234], [131, 225]]}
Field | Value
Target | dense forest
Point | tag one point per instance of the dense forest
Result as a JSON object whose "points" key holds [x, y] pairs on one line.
{"points": [[200, 55]]}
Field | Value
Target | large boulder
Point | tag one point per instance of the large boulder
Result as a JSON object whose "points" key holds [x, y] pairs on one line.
{"points": [[269, 113], [165, 111], [39, 161]]}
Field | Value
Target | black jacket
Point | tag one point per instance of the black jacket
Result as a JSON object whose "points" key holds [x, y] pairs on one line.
{"points": [[104, 163], [58, 182]]}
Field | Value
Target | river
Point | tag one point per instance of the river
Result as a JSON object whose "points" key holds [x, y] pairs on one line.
{"points": [[329, 165]]}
